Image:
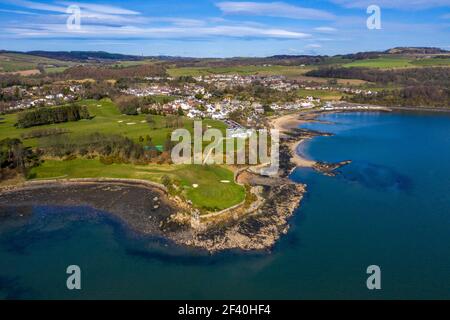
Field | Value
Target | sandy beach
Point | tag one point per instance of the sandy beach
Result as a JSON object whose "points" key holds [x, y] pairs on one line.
{"points": [[286, 123], [297, 159]]}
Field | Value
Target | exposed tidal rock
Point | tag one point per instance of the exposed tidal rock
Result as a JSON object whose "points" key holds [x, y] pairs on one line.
{"points": [[329, 169], [259, 230]]}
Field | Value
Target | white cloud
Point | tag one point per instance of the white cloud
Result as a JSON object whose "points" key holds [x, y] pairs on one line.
{"points": [[170, 32], [101, 8], [396, 4], [37, 6], [273, 9], [18, 12], [90, 13], [105, 21], [325, 29], [313, 46]]}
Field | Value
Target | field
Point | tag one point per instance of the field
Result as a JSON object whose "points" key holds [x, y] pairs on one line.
{"points": [[398, 62], [270, 70], [322, 94], [382, 63], [55, 69], [210, 193], [15, 62], [107, 119], [432, 62], [125, 64]]}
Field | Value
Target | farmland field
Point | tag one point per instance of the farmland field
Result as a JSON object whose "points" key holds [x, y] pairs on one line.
{"points": [[382, 63], [269, 70], [432, 62], [398, 62], [14, 62]]}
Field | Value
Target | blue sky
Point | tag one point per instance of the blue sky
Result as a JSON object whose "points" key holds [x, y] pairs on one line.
{"points": [[222, 28]]}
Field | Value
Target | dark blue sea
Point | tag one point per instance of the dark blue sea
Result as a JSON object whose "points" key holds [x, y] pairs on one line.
{"points": [[390, 207]]}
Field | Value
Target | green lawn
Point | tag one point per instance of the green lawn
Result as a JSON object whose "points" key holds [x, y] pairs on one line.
{"points": [[210, 193], [322, 94], [107, 120]]}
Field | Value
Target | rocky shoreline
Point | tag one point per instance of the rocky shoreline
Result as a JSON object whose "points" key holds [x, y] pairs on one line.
{"points": [[292, 136], [148, 210], [256, 224]]}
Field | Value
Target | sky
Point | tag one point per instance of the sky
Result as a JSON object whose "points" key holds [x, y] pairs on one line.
{"points": [[222, 28]]}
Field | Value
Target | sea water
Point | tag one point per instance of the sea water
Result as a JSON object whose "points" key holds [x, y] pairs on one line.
{"points": [[390, 207]]}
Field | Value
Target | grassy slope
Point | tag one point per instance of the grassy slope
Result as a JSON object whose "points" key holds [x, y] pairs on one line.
{"points": [[432, 62], [211, 192], [13, 62], [388, 62], [398, 62]]}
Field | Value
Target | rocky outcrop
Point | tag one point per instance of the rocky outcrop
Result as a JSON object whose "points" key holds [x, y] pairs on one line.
{"points": [[329, 169], [256, 229]]}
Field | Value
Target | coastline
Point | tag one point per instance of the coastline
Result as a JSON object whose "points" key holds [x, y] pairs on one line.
{"points": [[299, 160], [286, 124], [255, 224], [148, 209]]}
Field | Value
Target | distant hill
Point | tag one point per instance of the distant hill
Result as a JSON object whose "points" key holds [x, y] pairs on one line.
{"points": [[416, 50], [84, 55]]}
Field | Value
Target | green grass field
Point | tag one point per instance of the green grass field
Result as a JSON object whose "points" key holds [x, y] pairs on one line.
{"points": [[210, 193], [398, 62], [432, 62], [107, 120], [322, 94], [241, 70], [55, 69], [382, 63], [14, 62], [124, 64]]}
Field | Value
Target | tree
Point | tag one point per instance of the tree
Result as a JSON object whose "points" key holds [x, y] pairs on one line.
{"points": [[15, 156], [128, 105], [43, 115], [150, 121]]}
